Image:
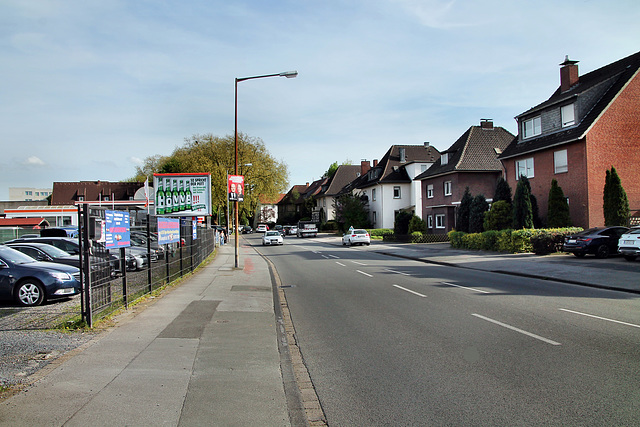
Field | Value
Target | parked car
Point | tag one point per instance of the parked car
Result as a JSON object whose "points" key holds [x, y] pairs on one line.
{"points": [[272, 238], [47, 253], [629, 244], [247, 229], [357, 236], [30, 282], [280, 229], [600, 241], [261, 228]]}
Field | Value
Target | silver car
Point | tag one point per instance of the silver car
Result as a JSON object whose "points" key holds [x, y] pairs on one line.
{"points": [[272, 238]]}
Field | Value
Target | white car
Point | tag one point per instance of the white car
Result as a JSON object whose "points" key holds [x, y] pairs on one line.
{"points": [[629, 244], [356, 237], [272, 238], [262, 228]]}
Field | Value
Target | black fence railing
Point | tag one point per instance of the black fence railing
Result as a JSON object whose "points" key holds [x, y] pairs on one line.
{"points": [[119, 277]]}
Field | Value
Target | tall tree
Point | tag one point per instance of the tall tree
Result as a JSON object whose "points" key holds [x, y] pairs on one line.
{"points": [[503, 191], [462, 215], [522, 213], [476, 213], [558, 208], [352, 210], [615, 200]]}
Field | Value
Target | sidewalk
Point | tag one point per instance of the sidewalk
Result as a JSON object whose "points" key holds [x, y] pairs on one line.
{"points": [[205, 353]]}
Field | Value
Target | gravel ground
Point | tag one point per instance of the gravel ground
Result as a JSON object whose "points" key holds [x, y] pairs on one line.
{"points": [[27, 344]]}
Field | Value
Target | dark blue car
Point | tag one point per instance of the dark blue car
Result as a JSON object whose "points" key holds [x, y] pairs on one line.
{"points": [[30, 282]]}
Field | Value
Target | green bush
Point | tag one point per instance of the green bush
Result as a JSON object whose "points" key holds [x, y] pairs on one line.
{"points": [[455, 238], [380, 232], [525, 240], [417, 224], [490, 240], [330, 226]]}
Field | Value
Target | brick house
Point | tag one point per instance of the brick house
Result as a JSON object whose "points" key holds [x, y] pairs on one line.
{"points": [[472, 161], [290, 206], [589, 124]]}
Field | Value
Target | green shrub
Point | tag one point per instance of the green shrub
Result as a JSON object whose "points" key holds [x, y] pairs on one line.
{"points": [[417, 224], [499, 216], [330, 226], [490, 240], [380, 232]]}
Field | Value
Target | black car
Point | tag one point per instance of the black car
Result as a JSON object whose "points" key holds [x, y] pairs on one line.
{"points": [[47, 253], [600, 241], [30, 282], [247, 229]]}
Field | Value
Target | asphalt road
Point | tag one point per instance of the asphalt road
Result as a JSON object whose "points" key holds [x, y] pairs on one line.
{"points": [[390, 341]]}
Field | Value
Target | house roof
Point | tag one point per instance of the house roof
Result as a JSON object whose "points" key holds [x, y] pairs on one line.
{"points": [[391, 168], [270, 200], [343, 176], [289, 199], [608, 81], [476, 150], [24, 222], [66, 193]]}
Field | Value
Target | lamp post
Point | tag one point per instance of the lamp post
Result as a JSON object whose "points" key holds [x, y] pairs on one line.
{"points": [[287, 74]]}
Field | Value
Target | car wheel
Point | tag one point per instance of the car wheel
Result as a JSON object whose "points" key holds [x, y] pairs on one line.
{"points": [[29, 293], [602, 251], [343, 243], [630, 257], [579, 254]]}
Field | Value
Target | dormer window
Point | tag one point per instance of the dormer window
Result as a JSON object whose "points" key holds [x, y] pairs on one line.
{"points": [[568, 115], [532, 127], [444, 158]]}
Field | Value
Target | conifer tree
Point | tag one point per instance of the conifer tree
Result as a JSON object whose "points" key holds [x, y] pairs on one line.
{"points": [[462, 217], [522, 213], [476, 213], [558, 209], [503, 191], [616, 203]]}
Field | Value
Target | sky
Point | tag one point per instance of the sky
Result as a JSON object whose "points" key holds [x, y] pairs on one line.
{"points": [[89, 89]]}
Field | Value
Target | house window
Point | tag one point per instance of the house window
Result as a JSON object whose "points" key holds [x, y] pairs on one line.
{"points": [[373, 194], [396, 193], [444, 158], [430, 221], [532, 127], [568, 115], [440, 221], [375, 217], [430, 191], [560, 163], [447, 188], [81, 198], [524, 167]]}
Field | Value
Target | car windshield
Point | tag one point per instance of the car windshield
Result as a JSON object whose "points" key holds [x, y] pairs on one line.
{"points": [[359, 231], [634, 231], [53, 251], [272, 233], [13, 256]]}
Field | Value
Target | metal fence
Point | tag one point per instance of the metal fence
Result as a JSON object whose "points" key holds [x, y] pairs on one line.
{"points": [[119, 277]]}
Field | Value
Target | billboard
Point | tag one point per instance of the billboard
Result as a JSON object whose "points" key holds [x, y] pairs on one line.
{"points": [[182, 194], [117, 229], [235, 188], [168, 230]]}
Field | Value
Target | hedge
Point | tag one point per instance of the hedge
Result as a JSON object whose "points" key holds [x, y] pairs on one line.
{"points": [[540, 241]]}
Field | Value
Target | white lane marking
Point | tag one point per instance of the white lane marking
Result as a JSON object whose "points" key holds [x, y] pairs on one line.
{"points": [[410, 291], [325, 257], [397, 272], [513, 328], [333, 256], [341, 264], [359, 263], [362, 272], [465, 287], [601, 318]]}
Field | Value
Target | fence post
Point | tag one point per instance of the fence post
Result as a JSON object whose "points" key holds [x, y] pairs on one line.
{"points": [[123, 270], [86, 265], [149, 252]]}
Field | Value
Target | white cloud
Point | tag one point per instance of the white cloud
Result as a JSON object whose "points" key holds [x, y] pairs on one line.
{"points": [[33, 161]]}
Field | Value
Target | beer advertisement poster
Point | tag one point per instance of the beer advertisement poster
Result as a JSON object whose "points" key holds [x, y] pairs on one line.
{"points": [[235, 188], [182, 194]]}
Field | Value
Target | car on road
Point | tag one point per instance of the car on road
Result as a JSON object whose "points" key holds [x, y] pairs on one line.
{"points": [[600, 241], [30, 282], [247, 229], [280, 229], [272, 238], [261, 228], [356, 236], [47, 253], [629, 244]]}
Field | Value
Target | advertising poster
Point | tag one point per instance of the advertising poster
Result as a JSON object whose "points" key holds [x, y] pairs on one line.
{"points": [[117, 230], [168, 230], [235, 188], [180, 194]]}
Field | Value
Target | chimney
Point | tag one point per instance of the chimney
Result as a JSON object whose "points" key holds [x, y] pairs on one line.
{"points": [[426, 144], [364, 167], [568, 74], [486, 123], [375, 162]]}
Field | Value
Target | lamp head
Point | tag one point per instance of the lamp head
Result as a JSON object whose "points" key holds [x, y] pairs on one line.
{"points": [[289, 74]]}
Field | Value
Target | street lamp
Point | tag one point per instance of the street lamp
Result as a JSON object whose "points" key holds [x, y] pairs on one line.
{"points": [[287, 74]]}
